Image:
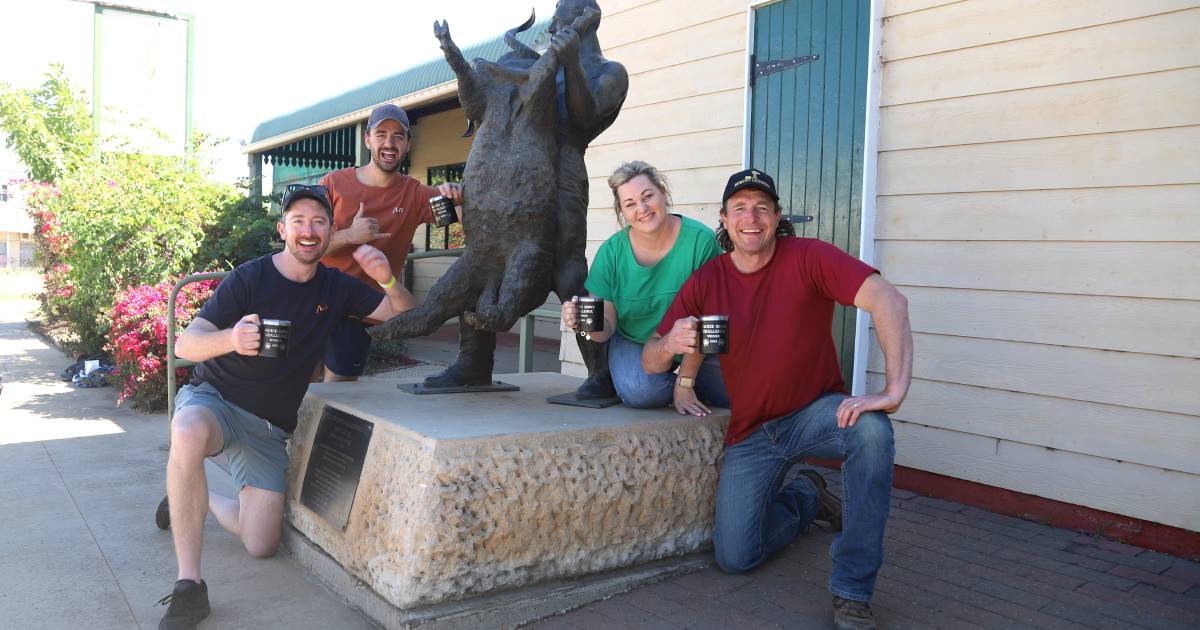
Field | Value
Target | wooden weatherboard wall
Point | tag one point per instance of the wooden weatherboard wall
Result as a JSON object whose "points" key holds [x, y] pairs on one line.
{"points": [[1039, 204], [683, 113]]}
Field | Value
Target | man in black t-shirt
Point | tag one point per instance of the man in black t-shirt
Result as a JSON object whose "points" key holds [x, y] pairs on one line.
{"points": [[244, 404]]}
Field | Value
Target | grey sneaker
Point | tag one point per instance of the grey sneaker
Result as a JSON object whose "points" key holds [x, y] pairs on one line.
{"points": [[188, 606], [830, 509], [162, 516], [851, 615]]}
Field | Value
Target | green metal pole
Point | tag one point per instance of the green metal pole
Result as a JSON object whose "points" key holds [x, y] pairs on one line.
{"points": [[172, 361], [525, 349], [191, 58], [96, 80]]}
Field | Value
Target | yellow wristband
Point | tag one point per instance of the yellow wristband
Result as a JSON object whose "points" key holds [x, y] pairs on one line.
{"points": [[390, 283]]}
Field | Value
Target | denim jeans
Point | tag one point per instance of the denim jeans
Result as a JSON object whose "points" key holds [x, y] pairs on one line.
{"points": [[650, 391], [757, 515]]}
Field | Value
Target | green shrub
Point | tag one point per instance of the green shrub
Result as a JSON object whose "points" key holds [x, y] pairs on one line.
{"points": [[117, 220], [133, 220], [243, 230]]}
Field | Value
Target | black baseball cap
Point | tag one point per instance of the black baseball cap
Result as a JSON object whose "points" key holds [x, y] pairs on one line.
{"points": [[749, 178], [387, 111], [303, 191]]}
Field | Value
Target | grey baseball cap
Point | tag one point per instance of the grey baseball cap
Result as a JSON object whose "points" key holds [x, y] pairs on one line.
{"points": [[387, 111]]}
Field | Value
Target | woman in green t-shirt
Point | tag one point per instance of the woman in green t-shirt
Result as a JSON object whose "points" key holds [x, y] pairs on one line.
{"points": [[637, 273]]}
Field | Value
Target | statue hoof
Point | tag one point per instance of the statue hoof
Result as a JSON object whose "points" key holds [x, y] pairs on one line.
{"points": [[456, 376], [597, 386]]}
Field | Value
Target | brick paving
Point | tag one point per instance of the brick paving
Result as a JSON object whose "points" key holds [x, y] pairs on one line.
{"points": [[946, 565]]}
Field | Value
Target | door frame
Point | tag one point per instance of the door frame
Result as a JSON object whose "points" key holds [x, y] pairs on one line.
{"points": [[862, 322]]}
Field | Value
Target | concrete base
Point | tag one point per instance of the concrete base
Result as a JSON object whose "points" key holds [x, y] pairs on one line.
{"points": [[474, 494], [507, 609]]}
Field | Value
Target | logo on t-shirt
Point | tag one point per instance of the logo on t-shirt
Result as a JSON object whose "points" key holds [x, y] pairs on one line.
{"points": [[397, 210], [321, 308]]}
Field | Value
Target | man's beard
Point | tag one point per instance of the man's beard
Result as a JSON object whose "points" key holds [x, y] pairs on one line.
{"points": [[295, 252]]}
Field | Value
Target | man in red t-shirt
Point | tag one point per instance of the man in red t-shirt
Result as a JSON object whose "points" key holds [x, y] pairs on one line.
{"points": [[375, 203], [788, 400]]}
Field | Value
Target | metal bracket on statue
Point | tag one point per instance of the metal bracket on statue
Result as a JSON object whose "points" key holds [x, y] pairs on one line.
{"points": [[575, 401], [421, 389]]}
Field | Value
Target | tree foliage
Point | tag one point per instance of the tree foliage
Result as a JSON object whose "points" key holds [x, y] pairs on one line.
{"points": [[107, 222], [49, 127], [133, 220]]}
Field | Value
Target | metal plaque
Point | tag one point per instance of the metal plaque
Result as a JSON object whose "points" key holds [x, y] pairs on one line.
{"points": [[335, 465]]}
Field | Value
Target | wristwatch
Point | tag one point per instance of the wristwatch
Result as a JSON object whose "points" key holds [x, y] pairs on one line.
{"points": [[686, 382]]}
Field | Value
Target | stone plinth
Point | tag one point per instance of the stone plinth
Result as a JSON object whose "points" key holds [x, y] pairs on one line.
{"points": [[467, 494]]}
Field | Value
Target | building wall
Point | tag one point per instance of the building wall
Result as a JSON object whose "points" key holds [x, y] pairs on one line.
{"points": [[16, 250], [1039, 205], [16, 226], [683, 113]]}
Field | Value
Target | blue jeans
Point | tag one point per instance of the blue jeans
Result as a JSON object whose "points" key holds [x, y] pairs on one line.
{"points": [[757, 515], [650, 391]]}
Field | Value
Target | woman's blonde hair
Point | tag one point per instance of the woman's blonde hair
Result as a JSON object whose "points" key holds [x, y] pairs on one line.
{"points": [[629, 170]]}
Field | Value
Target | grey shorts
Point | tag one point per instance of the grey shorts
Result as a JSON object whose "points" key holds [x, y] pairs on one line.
{"points": [[257, 449]]}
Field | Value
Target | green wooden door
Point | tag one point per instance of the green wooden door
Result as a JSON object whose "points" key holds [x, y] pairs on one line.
{"points": [[807, 122]]}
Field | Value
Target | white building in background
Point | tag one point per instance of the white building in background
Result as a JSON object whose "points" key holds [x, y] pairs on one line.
{"points": [[16, 226]]}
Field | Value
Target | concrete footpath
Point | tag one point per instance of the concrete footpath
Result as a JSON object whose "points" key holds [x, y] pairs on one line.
{"points": [[79, 482], [80, 478]]}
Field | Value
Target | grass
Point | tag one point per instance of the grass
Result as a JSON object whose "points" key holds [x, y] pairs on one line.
{"points": [[19, 284]]}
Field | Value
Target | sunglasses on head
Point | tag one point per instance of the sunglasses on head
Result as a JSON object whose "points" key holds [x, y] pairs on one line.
{"points": [[320, 190]]}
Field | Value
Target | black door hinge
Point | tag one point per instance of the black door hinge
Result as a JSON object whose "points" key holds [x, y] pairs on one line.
{"points": [[776, 65]]}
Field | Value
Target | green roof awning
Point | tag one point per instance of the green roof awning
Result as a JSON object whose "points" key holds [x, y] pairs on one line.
{"points": [[417, 78]]}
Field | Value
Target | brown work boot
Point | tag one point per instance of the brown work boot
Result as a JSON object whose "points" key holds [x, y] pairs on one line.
{"points": [[851, 615], [830, 509]]}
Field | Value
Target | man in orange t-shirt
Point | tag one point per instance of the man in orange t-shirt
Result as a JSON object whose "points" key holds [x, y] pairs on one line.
{"points": [[375, 203]]}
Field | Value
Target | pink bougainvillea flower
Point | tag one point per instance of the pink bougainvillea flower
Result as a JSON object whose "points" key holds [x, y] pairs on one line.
{"points": [[138, 340]]}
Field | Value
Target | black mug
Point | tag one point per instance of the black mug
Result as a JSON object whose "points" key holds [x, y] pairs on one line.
{"points": [[591, 314], [714, 334], [273, 338], [443, 211]]}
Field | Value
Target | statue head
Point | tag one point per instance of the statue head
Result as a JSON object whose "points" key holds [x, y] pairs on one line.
{"points": [[566, 11]]}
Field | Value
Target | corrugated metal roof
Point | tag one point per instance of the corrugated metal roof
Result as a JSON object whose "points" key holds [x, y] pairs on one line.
{"points": [[419, 77]]}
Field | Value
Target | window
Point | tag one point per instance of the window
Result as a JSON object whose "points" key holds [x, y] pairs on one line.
{"points": [[3, 193]]}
